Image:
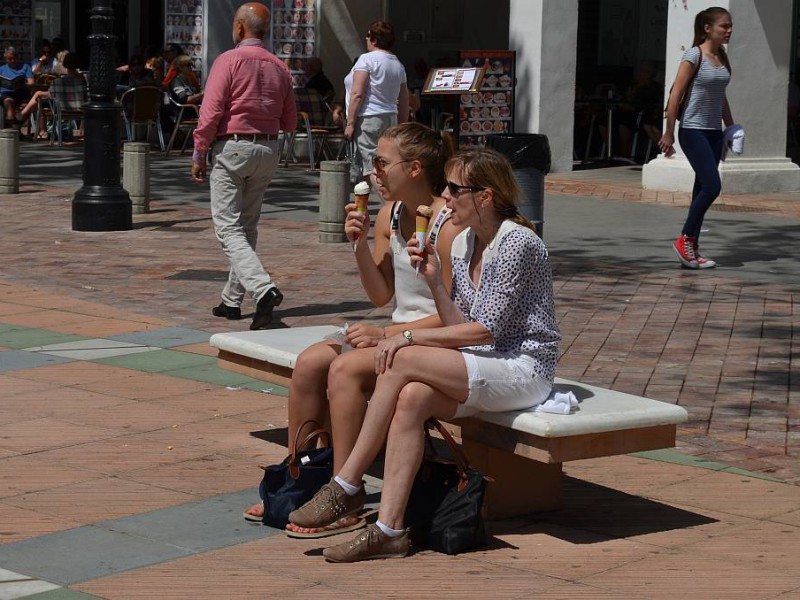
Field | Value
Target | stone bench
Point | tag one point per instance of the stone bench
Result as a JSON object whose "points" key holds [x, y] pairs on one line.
{"points": [[522, 451]]}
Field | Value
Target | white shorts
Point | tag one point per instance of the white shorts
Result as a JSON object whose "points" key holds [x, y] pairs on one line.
{"points": [[501, 381]]}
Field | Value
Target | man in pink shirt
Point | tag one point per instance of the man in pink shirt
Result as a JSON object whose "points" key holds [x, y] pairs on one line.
{"points": [[248, 100]]}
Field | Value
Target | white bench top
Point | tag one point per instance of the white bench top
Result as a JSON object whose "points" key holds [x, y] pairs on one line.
{"points": [[599, 410]]}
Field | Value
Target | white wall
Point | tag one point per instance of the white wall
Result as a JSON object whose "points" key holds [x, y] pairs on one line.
{"points": [[545, 36]]}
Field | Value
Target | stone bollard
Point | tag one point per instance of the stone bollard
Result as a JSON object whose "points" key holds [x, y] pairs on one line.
{"points": [[136, 175], [334, 192], [9, 161]]}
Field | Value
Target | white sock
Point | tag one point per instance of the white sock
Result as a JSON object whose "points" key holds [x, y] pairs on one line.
{"points": [[388, 530], [350, 490]]}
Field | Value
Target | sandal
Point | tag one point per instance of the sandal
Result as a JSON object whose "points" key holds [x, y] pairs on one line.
{"points": [[328, 530]]}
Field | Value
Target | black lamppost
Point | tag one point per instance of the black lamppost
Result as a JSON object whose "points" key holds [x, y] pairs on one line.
{"points": [[102, 204]]}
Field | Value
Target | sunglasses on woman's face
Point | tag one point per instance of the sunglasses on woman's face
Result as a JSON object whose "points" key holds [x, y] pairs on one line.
{"points": [[456, 189], [382, 165]]}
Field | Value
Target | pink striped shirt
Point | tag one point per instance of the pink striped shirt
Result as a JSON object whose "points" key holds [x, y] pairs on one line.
{"points": [[249, 91]]}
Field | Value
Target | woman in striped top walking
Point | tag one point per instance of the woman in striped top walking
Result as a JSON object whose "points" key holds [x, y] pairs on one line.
{"points": [[698, 100]]}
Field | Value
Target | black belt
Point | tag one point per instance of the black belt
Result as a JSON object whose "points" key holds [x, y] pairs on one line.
{"points": [[249, 137]]}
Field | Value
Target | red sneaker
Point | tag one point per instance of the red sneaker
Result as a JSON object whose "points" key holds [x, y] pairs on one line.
{"points": [[702, 263], [684, 248]]}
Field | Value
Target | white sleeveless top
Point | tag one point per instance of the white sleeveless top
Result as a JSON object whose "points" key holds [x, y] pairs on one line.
{"points": [[412, 296]]}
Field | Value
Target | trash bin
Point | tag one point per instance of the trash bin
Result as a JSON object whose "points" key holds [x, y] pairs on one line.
{"points": [[529, 154]]}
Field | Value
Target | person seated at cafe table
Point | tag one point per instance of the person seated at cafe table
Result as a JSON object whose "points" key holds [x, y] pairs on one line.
{"points": [[15, 85], [185, 88], [75, 84], [46, 62]]}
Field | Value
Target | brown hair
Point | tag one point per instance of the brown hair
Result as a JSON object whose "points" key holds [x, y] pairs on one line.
{"points": [[416, 141], [70, 61], [488, 169], [708, 17], [381, 34], [181, 61]]}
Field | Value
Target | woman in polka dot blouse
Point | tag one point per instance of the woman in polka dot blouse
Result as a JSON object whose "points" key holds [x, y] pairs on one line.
{"points": [[496, 352]]}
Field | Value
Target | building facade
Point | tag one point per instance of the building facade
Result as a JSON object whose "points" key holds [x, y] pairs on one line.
{"points": [[569, 54]]}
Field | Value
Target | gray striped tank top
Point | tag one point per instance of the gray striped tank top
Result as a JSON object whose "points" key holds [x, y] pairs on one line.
{"points": [[706, 93]]}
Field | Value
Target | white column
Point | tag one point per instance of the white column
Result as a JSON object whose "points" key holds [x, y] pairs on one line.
{"points": [[545, 36], [759, 52]]}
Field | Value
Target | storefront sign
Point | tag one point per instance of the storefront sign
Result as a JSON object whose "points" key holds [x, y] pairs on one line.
{"points": [[455, 80]]}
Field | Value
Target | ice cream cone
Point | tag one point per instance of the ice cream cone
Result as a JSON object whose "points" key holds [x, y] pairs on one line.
{"points": [[422, 218], [361, 193]]}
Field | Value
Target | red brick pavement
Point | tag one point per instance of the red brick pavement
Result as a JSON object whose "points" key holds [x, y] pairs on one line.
{"points": [[721, 348]]}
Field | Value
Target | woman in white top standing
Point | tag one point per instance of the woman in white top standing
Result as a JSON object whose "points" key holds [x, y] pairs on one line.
{"points": [[702, 77], [376, 97]]}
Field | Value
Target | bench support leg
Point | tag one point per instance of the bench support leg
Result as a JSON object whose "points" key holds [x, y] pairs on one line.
{"points": [[521, 486]]}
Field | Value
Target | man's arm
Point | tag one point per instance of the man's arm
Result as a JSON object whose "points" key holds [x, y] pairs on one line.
{"points": [[215, 101]]}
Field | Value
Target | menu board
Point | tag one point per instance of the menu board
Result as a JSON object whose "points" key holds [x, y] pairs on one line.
{"points": [[184, 26], [294, 35], [444, 80], [15, 28], [491, 108]]}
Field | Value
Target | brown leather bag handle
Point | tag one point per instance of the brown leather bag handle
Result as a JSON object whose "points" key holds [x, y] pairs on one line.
{"points": [[291, 460], [461, 460]]}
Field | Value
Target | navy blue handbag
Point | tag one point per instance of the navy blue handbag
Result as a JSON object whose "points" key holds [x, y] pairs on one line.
{"points": [[293, 482]]}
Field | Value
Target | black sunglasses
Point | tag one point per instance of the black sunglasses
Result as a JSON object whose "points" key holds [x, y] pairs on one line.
{"points": [[456, 189]]}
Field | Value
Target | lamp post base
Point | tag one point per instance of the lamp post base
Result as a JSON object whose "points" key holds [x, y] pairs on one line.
{"points": [[101, 208]]}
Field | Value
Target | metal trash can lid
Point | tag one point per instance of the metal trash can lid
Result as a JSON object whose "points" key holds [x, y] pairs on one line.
{"points": [[522, 149]]}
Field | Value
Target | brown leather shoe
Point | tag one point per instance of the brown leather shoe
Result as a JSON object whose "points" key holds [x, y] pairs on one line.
{"points": [[369, 544], [268, 301], [328, 505]]}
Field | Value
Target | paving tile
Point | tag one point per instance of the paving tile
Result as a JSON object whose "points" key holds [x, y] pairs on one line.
{"points": [[159, 361], [58, 403], [74, 373], [124, 454], [211, 373], [91, 349], [24, 588], [36, 435], [20, 523], [99, 500], [169, 337], [138, 385], [26, 338], [14, 360], [62, 594], [53, 557], [23, 474], [104, 328]]}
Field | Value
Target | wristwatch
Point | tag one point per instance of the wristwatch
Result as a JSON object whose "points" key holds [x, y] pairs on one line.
{"points": [[408, 335]]}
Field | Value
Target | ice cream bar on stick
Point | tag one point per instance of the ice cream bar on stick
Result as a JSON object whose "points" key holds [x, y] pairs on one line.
{"points": [[361, 192], [423, 217]]}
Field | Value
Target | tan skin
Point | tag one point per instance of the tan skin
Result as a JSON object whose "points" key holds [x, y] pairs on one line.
{"points": [[325, 380], [241, 32], [717, 34], [186, 72], [408, 389]]}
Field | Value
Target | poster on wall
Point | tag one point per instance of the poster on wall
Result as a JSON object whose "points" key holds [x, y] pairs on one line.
{"points": [[294, 35], [16, 28], [184, 26], [491, 108]]}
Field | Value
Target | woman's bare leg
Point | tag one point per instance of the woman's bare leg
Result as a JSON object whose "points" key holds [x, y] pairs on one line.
{"points": [[351, 381], [308, 400], [413, 363], [307, 397], [405, 446]]}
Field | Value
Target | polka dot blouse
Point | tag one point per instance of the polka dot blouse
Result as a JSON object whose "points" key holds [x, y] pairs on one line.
{"points": [[514, 297]]}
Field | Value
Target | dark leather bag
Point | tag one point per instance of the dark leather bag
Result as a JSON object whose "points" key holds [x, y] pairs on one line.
{"points": [[293, 482], [444, 511]]}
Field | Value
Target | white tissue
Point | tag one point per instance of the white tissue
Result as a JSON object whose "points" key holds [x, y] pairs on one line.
{"points": [[339, 337], [558, 403]]}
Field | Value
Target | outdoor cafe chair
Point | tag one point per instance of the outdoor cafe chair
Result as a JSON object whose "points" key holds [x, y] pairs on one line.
{"points": [[140, 107], [314, 120], [188, 115], [67, 97]]}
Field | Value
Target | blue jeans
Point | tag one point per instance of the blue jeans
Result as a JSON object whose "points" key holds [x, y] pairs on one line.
{"points": [[703, 148]]}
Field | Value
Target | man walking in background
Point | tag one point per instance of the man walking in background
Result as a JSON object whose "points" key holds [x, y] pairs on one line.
{"points": [[248, 100]]}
